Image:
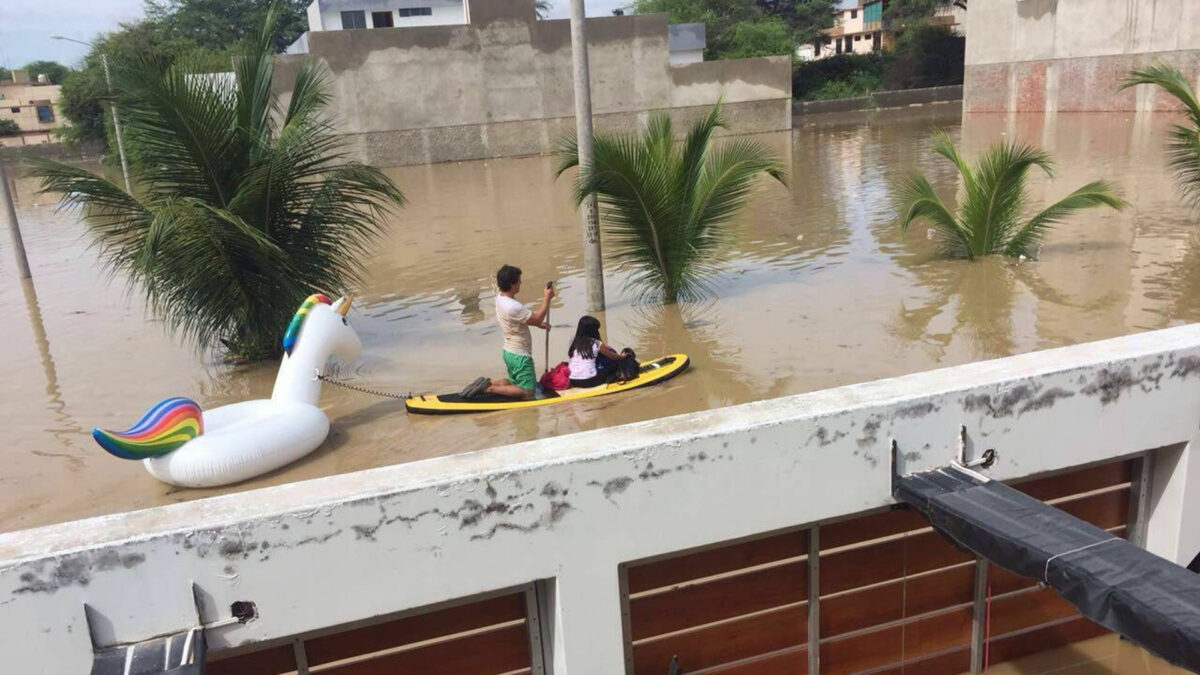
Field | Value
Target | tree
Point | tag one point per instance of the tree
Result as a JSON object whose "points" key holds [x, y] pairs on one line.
{"points": [[1183, 140], [241, 207], [220, 24], [205, 32], [806, 18], [9, 128], [5, 74], [667, 206], [989, 217], [55, 71], [904, 12], [735, 28], [766, 37]]}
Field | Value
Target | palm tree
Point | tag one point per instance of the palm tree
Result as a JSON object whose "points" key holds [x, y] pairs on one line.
{"points": [[990, 214], [1183, 143], [242, 207], [667, 205]]}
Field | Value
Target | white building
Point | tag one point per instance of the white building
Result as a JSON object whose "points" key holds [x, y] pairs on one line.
{"points": [[348, 14], [686, 42]]}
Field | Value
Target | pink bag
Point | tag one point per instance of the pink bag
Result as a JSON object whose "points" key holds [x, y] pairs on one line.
{"points": [[557, 378]]}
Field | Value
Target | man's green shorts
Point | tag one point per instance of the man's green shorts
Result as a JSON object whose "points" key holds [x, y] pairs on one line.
{"points": [[520, 370]]}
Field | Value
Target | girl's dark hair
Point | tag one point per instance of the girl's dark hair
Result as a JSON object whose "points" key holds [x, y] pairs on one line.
{"points": [[506, 276], [586, 336]]}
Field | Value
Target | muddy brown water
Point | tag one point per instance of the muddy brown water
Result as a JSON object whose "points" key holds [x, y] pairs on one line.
{"points": [[820, 290]]}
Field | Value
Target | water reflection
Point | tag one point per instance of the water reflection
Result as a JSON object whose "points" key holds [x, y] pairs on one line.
{"points": [[820, 289]]}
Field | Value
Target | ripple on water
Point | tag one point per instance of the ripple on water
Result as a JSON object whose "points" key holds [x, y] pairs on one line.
{"points": [[820, 289]]}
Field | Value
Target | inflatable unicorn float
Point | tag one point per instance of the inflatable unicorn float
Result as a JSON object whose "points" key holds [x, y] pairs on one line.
{"points": [[182, 445]]}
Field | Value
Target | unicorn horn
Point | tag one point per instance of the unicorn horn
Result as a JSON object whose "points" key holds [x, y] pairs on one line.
{"points": [[345, 306]]}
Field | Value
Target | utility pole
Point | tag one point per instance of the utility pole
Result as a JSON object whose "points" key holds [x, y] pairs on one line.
{"points": [[14, 228], [592, 264], [112, 105], [116, 124]]}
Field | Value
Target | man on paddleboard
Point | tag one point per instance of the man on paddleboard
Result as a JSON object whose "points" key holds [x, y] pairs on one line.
{"points": [[515, 320]]}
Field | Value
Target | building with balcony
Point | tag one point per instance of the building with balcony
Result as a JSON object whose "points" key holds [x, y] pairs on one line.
{"points": [[33, 105], [859, 28]]}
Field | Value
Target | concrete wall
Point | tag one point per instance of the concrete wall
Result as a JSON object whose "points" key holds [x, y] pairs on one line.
{"points": [[882, 100], [344, 548], [502, 85], [1071, 55]]}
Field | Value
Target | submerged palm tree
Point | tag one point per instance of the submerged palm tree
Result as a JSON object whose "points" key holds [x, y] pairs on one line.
{"points": [[242, 207], [667, 206], [990, 217], [1183, 143]]}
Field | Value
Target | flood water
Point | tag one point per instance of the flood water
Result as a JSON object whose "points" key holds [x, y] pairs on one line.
{"points": [[820, 290]]}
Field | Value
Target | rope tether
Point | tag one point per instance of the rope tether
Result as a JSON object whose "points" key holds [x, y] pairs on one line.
{"points": [[362, 390]]}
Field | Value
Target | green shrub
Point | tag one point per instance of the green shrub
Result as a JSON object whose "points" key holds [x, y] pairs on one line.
{"points": [[9, 128], [925, 56], [811, 77]]}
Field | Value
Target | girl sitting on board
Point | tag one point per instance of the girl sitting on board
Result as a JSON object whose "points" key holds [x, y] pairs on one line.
{"points": [[590, 361]]}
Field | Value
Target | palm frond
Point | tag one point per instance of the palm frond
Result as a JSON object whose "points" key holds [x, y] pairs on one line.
{"points": [[988, 218], [1094, 194], [918, 201], [666, 206], [242, 209], [992, 209], [1183, 142]]}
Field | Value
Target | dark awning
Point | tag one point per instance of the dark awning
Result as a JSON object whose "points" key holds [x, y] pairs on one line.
{"points": [[181, 654], [1149, 600]]}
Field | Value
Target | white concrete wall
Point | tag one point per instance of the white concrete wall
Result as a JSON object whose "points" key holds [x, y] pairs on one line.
{"points": [[852, 24], [1072, 55], [682, 56], [344, 548]]}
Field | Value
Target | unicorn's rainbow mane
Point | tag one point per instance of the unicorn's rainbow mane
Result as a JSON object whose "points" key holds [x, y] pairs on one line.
{"points": [[166, 427], [293, 330]]}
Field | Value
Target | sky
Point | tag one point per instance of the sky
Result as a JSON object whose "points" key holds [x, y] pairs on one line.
{"points": [[26, 25]]}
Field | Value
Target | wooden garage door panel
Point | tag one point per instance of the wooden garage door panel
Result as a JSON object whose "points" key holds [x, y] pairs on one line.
{"points": [[791, 662], [723, 598], [1039, 640], [1076, 482], [1027, 609], [724, 643], [271, 661], [646, 576], [487, 653], [416, 628]]}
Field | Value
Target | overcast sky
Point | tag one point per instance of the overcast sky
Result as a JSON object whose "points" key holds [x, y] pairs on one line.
{"points": [[26, 25]]}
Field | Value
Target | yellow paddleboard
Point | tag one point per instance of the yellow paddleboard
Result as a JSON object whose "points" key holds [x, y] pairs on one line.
{"points": [[652, 372]]}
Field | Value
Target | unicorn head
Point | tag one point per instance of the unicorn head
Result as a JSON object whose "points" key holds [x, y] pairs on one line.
{"points": [[319, 329]]}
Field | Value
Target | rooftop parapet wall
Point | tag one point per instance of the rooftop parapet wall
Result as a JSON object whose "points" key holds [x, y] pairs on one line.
{"points": [[503, 84], [340, 549], [1071, 55]]}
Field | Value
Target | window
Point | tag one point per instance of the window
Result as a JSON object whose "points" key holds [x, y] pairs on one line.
{"points": [[45, 112], [15, 111], [858, 38], [354, 19], [381, 20], [415, 11], [854, 14]]}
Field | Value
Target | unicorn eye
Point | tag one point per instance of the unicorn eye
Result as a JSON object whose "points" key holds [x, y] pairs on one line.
{"points": [[345, 322]]}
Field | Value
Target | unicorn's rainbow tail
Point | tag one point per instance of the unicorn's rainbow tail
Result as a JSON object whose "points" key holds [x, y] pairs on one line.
{"points": [[166, 427]]}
